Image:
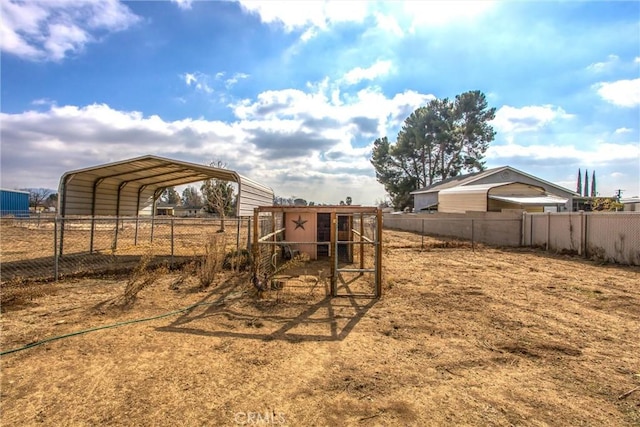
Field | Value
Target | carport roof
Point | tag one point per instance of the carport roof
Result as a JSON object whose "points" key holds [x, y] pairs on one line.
{"points": [[548, 199], [145, 176]]}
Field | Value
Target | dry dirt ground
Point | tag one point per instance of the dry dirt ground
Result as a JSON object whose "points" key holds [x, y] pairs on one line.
{"points": [[460, 337]]}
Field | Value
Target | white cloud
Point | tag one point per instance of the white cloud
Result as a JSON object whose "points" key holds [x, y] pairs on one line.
{"points": [[441, 12], [49, 30], [637, 60], [183, 4], [204, 83], [235, 79], [616, 165], [527, 119], [622, 130], [356, 75], [198, 81], [623, 93], [601, 153], [391, 17], [599, 67], [310, 33], [389, 24], [315, 143], [302, 15]]}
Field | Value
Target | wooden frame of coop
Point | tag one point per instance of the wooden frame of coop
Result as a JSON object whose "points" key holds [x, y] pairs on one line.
{"points": [[335, 233]]}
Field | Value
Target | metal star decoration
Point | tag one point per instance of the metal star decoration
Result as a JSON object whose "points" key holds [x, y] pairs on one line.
{"points": [[299, 222]]}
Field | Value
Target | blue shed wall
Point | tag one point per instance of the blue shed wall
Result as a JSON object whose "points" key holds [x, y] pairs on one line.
{"points": [[14, 203]]}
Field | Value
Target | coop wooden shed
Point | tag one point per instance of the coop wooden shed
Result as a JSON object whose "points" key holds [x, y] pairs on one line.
{"points": [[349, 238]]}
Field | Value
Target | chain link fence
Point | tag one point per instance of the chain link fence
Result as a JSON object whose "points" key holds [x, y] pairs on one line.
{"points": [[46, 247]]}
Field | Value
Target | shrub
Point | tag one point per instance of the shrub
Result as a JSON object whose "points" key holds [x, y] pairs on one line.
{"points": [[238, 260], [141, 277], [213, 260]]}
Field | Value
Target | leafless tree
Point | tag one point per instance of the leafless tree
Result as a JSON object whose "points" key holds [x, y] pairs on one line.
{"points": [[38, 196], [218, 195]]}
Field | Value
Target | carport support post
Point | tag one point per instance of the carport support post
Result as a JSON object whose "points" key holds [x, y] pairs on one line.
{"points": [[96, 183], [63, 210], [156, 194], [115, 237], [135, 237]]}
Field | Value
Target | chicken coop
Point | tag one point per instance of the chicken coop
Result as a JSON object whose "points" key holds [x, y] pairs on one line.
{"points": [[344, 243]]}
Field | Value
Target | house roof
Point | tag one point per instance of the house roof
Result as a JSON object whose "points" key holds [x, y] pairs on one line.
{"points": [[478, 188], [126, 187], [450, 182], [465, 180]]}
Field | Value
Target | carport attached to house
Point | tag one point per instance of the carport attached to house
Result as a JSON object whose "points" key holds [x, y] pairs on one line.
{"points": [[497, 197]]}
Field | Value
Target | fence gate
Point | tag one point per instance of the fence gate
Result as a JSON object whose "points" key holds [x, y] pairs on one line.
{"points": [[356, 256]]}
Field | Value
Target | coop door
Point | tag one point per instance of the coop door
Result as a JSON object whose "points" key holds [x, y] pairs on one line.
{"points": [[324, 233]]}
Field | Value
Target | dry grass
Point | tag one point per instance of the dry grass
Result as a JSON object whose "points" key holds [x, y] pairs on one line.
{"points": [[213, 260], [143, 275], [17, 293], [491, 337]]}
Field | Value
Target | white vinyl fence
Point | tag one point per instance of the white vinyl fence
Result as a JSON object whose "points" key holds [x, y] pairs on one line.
{"points": [[609, 237], [606, 236]]}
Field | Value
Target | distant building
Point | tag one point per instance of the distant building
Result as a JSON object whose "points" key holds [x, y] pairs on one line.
{"points": [[165, 209], [14, 202], [493, 190], [189, 211]]}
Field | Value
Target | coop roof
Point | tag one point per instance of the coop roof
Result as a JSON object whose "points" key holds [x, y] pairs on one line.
{"points": [[128, 187]]}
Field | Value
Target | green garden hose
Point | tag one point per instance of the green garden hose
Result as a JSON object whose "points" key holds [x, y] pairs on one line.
{"points": [[114, 325]]}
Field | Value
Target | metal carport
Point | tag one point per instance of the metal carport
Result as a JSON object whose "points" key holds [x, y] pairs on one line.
{"points": [[131, 187]]}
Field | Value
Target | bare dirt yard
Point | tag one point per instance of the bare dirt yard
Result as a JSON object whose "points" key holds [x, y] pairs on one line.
{"points": [[460, 337]]}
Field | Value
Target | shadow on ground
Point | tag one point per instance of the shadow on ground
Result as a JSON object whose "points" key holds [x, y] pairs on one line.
{"points": [[233, 313]]}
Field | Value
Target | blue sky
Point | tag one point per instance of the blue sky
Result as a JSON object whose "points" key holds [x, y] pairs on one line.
{"points": [[292, 94]]}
